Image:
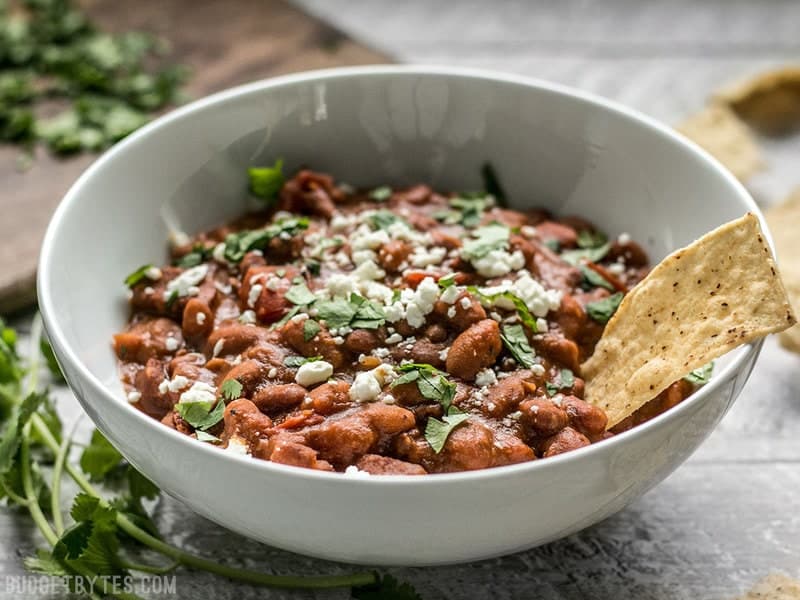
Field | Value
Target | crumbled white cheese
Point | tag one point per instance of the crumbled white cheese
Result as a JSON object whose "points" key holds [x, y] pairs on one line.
{"points": [[443, 354], [171, 344], [175, 385], [134, 396], [451, 294], [465, 302], [354, 471], [537, 370], [539, 300], [368, 384], [381, 352], [238, 445], [248, 317], [541, 325], [199, 392], [368, 270], [616, 268], [485, 377], [200, 318], [218, 347], [395, 338], [313, 372], [528, 231], [218, 254], [498, 262], [148, 291], [274, 283], [185, 284], [153, 273], [255, 292], [424, 257], [273, 373], [624, 238]]}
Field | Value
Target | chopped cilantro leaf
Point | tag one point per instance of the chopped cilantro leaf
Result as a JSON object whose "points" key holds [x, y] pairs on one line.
{"points": [[381, 193], [356, 312], [447, 281], [702, 375], [593, 279], [566, 381], [470, 209], [198, 255], [516, 341], [486, 239], [522, 309], [201, 415], [203, 436], [240, 243], [382, 219], [602, 310], [299, 293], [310, 329], [437, 432], [231, 389], [431, 383], [314, 267], [574, 257], [266, 182], [591, 239], [294, 362], [137, 276]]}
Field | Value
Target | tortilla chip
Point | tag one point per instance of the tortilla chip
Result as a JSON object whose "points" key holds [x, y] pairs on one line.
{"points": [[697, 304], [769, 101], [774, 586], [718, 131], [784, 223]]}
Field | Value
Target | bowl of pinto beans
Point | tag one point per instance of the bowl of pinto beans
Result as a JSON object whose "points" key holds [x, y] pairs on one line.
{"points": [[348, 313]]}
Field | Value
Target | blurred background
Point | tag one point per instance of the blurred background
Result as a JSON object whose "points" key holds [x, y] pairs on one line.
{"points": [[724, 520]]}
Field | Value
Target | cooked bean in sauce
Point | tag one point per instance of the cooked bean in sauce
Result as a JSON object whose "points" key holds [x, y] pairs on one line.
{"points": [[387, 331]]}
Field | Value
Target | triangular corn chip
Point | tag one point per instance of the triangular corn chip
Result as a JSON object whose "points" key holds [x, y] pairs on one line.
{"points": [[699, 303], [784, 223]]}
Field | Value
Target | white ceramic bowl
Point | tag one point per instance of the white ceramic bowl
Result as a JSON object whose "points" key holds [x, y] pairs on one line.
{"points": [[551, 146]]}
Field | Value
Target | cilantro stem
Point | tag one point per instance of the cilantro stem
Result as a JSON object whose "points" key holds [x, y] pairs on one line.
{"points": [[55, 493], [30, 493], [153, 570], [190, 560]]}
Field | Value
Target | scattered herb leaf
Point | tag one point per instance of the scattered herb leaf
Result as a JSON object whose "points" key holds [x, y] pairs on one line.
{"points": [[381, 193], [437, 432], [593, 279], [575, 257], [516, 341], [702, 375], [602, 310], [266, 182], [231, 389], [310, 329]]}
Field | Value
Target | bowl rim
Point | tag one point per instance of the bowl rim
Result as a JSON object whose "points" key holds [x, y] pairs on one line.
{"points": [[66, 351]]}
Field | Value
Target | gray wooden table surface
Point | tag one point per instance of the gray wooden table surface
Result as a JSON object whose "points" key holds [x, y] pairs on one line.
{"points": [[730, 514]]}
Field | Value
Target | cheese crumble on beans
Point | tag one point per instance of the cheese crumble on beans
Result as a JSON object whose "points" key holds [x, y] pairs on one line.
{"points": [[416, 333]]}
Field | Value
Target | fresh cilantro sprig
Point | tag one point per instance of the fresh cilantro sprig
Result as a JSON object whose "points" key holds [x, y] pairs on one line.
{"points": [[102, 538], [591, 254], [107, 84], [522, 309], [437, 432]]}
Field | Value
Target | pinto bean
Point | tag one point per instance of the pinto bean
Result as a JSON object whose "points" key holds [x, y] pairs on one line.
{"points": [[342, 440], [364, 341], [542, 417], [441, 238], [191, 366], [375, 464], [328, 398], [252, 259], [148, 296], [570, 316], [565, 440], [474, 349], [584, 417], [321, 344], [552, 271], [564, 235], [243, 419], [198, 320], [174, 421], [464, 317], [146, 382], [250, 374], [511, 218], [393, 254], [270, 304], [631, 252], [233, 338], [417, 194], [425, 351], [558, 349], [275, 398], [436, 333], [147, 339], [310, 192], [504, 397], [292, 453]]}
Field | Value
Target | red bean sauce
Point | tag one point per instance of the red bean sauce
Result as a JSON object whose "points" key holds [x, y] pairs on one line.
{"points": [[377, 332]]}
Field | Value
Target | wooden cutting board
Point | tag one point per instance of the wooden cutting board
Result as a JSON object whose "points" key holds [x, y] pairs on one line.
{"points": [[223, 42]]}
